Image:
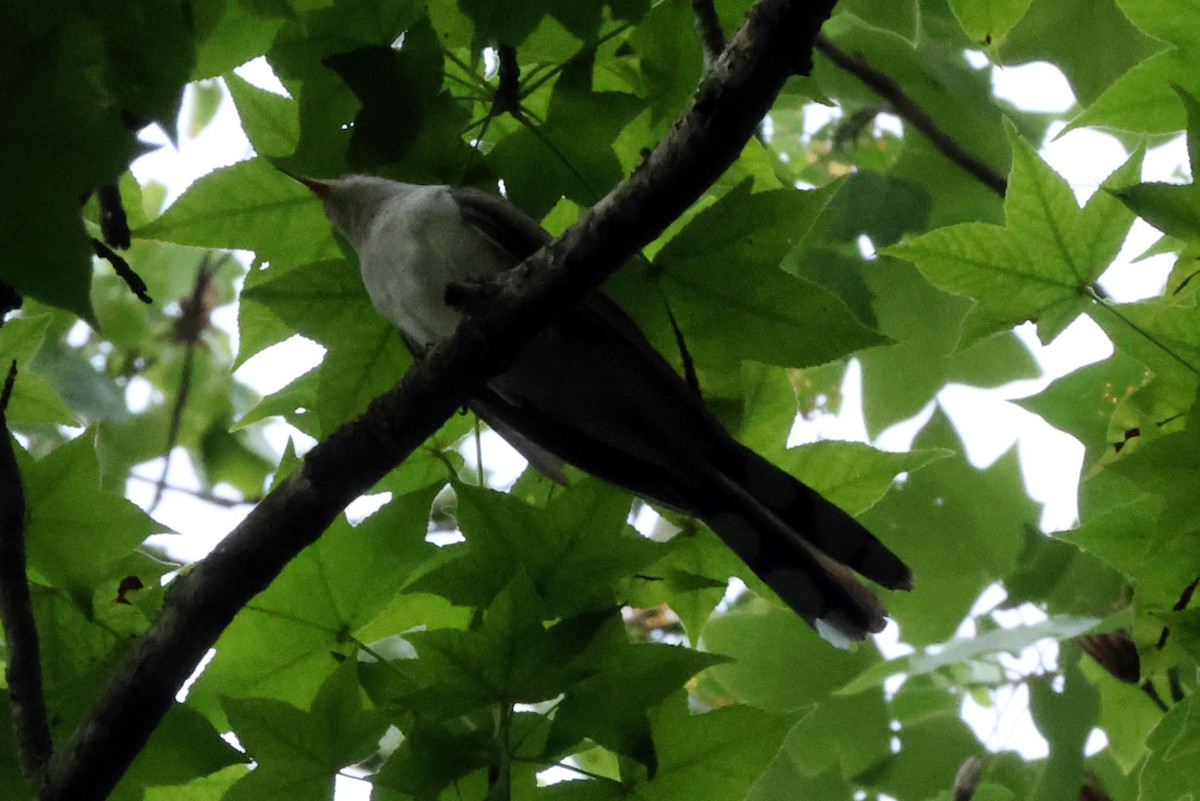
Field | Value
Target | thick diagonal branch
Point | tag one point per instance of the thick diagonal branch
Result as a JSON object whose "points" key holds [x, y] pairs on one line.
{"points": [[775, 42], [24, 671]]}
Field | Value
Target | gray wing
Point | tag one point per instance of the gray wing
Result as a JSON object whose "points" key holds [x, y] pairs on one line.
{"points": [[519, 236], [511, 230]]}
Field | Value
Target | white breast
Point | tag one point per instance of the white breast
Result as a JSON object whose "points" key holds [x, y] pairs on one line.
{"points": [[417, 245]]}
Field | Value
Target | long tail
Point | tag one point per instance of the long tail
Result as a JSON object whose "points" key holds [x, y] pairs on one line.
{"points": [[805, 548]]}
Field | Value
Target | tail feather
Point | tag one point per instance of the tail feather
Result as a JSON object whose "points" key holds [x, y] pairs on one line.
{"points": [[805, 549], [823, 525]]}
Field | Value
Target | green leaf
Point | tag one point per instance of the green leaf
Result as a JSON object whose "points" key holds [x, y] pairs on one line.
{"points": [[611, 707], [899, 379], [1173, 209], [1041, 265], [359, 371], [572, 153], [258, 329], [959, 98], [502, 23], [509, 658], [300, 752], [762, 642], [845, 735], [852, 474], [726, 258], [1064, 577], [959, 529], [1161, 333], [75, 653], [280, 645], [1065, 718], [1081, 403], [209, 788], [769, 408], [988, 23], [1168, 467], [230, 34], [271, 121], [249, 205], [1141, 99], [880, 206], [930, 754], [1127, 716], [671, 59], [899, 17], [33, 398], [1089, 68], [407, 123], [150, 54], [1170, 772], [1014, 640], [1127, 537], [1169, 20], [326, 302], [572, 552], [715, 755], [50, 221], [206, 100], [75, 533], [431, 757], [184, 746]]}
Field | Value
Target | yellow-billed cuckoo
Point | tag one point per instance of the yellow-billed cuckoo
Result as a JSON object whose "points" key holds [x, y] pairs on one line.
{"points": [[591, 391]]}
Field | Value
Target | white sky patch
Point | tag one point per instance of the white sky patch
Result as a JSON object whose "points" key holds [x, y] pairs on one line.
{"points": [[258, 72], [273, 368], [1035, 86]]}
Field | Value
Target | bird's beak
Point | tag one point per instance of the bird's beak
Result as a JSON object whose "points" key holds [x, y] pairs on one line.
{"points": [[318, 188]]}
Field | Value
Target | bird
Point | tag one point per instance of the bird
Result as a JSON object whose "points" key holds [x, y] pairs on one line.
{"points": [[591, 391]]}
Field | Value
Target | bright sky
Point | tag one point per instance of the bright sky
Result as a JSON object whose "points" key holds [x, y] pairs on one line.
{"points": [[988, 422]]}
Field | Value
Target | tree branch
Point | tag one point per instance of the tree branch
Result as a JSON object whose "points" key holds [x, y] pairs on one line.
{"points": [[122, 268], [24, 673], [207, 497], [774, 43], [508, 90], [908, 109], [114, 226], [708, 25]]}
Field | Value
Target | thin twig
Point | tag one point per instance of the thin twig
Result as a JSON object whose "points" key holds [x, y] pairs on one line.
{"points": [[24, 671], [908, 109], [176, 421], [508, 91], [207, 497], [1173, 681], [122, 268], [1148, 688], [193, 321], [708, 25], [689, 366], [114, 226]]}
